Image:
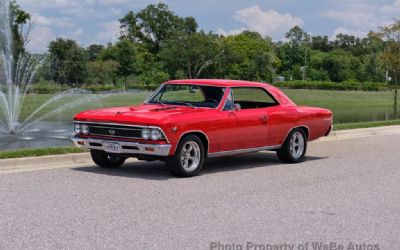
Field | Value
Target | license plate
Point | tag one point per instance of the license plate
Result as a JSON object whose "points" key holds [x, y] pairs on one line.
{"points": [[111, 147]]}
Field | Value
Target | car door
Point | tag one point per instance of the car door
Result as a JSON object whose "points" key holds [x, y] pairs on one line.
{"points": [[251, 115]]}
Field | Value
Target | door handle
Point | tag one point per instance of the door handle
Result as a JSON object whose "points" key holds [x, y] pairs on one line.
{"points": [[264, 119]]}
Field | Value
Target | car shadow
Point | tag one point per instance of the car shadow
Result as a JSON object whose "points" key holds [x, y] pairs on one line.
{"points": [[246, 161], [158, 171]]}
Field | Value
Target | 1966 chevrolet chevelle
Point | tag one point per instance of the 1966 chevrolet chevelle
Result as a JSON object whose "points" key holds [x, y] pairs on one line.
{"points": [[187, 121]]}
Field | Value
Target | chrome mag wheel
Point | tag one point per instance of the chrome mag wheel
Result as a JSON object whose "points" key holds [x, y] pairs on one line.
{"points": [[190, 156], [297, 145]]}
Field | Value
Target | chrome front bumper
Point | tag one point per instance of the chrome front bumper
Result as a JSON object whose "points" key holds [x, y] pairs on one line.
{"points": [[126, 147]]}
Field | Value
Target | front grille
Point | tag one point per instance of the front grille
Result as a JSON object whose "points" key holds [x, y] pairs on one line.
{"points": [[115, 131]]}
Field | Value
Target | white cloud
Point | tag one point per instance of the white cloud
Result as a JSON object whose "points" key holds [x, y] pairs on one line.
{"points": [[51, 4], [40, 38], [363, 20], [341, 30], [62, 22], [77, 33], [267, 23], [113, 2], [228, 33], [111, 32], [364, 15]]}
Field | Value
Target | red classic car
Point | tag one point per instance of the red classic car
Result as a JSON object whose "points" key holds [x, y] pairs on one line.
{"points": [[186, 121]]}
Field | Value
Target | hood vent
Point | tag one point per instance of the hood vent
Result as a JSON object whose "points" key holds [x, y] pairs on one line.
{"points": [[162, 109]]}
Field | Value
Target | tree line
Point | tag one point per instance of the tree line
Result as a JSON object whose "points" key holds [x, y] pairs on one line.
{"points": [[157, 45]]}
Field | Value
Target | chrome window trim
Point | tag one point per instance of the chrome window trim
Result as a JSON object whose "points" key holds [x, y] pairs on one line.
{"points": [[226, 99], [183, 83], [277, 103], [154, 94]]}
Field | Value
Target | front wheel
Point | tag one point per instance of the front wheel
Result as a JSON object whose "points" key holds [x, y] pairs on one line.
{"points": [[294, 148], [189, 157], [104, 160]]}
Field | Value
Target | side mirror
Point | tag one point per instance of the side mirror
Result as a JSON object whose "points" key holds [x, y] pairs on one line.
{"points": [[237, 107]]}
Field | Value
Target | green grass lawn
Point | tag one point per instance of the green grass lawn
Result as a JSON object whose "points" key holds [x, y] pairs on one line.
{"points": [[347, 106]]}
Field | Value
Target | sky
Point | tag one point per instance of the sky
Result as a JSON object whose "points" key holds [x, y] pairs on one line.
{"points": [[96, 21]]}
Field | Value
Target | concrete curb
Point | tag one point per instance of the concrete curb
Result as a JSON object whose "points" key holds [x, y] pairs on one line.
{"points": [[361, 132], [84, 159]]}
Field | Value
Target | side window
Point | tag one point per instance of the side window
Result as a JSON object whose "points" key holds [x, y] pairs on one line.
{"points": [[229, 102], [252, 98]]}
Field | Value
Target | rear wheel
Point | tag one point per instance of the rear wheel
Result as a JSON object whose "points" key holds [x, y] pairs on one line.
{"points": [[294, 148], [189, 157], [104, 160]]}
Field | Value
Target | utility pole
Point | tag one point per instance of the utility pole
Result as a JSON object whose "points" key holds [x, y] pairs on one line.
{"points": [[305, 66]]}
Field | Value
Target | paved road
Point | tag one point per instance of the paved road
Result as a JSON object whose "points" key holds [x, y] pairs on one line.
{"points": [[346, 191]]}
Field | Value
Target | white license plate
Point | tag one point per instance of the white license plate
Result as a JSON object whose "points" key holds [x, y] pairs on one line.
{"points": [[112, 147]]}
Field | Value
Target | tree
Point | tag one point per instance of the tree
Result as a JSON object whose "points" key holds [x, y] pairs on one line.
{"points": [[68, 62], [150, 68], [154, 25], [93, 51], [21, 28], [102, 72], [247, 56], [126, 58], [320, 43], [297, 36], [192, 53], [391, 56]]}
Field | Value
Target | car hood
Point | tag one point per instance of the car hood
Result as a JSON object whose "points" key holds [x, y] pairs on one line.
{"points": [[145, 114]]}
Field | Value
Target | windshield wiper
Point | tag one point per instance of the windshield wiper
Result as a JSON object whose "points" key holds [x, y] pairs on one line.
{"points": [[186, 103], [161, 102]]}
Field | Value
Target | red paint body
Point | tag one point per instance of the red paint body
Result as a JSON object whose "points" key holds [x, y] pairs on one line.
{"points": [[224, 130]]}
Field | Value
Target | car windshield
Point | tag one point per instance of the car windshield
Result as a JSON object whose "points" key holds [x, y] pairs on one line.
{"points": [[189, 95]]}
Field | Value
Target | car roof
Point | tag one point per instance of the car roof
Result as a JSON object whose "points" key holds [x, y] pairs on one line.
{"points": [[220, 83]]}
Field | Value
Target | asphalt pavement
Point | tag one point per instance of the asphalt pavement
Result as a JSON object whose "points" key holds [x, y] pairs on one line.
{"points": [[347, 193]]}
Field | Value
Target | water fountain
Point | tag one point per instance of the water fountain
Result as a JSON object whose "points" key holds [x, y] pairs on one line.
{"points": [[39, 125]]}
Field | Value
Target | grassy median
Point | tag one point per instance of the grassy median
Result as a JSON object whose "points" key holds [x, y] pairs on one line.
{"points": [[22, 153]]}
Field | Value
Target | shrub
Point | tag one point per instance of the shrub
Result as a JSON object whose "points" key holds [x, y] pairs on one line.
{"points": [[368, 86]]}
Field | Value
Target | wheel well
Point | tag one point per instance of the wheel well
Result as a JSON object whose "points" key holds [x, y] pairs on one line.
{"points": [[305, 129], [202, 137]]}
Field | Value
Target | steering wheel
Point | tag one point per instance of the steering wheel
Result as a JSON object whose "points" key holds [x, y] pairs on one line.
{"points": [[212, 100]]}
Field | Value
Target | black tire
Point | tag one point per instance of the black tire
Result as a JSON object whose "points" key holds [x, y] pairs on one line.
{"points": [[175, 163], [104, 160], [286, 155]]}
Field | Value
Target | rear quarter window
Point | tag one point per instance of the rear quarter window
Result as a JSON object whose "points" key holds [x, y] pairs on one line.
{"points": [[253, 98]]}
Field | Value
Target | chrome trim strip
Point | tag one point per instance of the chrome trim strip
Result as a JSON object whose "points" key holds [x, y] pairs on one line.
{"points": [[147, 102], [115, 136], [159, 149], [129, 129], [194, 131], [114, 124], [242, 151], [154, 94], [297, 126]]}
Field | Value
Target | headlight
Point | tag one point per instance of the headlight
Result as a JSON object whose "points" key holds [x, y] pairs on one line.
{"points": [[146, 134], [155, 134], [85, 129], [77, 128]]}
